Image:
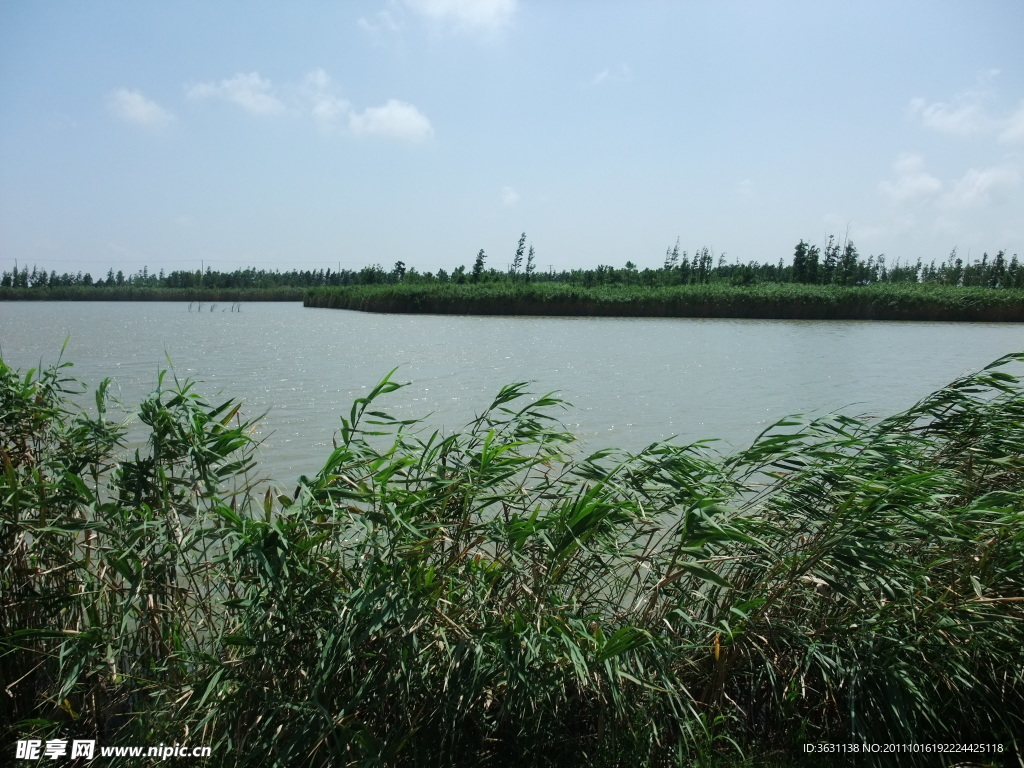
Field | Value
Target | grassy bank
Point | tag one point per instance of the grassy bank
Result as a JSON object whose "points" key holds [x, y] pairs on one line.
{"points": [[881, 301], [492, 597]]}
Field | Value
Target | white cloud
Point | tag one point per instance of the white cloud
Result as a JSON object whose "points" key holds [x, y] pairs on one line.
{"points": [[961, 118], [325, 107], [746, 188], [912, 182], [394, 120], [509, 196], [136, 108], [969, 114], [467, 15], [1013, 127], [253, 93], [978, 187]]}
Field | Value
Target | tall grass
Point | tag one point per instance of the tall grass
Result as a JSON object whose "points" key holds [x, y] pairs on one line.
{"points": [[495, 597], [879, 301]]}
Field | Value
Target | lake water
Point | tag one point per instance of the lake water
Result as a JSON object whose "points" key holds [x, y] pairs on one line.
{"points": [[631, 381]]}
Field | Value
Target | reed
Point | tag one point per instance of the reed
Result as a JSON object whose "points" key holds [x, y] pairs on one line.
{"points": [[496, 597], [879, 301]]}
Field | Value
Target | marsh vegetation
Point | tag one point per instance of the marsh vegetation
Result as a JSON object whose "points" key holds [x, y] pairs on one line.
{"points": [[495, 596], [831, 281]]}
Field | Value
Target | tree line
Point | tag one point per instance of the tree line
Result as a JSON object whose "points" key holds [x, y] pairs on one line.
{"points": [[835, 262]]}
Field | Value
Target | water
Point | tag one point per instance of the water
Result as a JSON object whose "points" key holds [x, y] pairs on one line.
{"points": [[632, 381]]}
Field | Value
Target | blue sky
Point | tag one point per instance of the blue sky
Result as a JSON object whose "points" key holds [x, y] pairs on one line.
{"points": [[314, 134]]}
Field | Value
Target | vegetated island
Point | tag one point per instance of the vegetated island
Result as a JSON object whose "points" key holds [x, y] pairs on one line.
{"points": [[838, 589], [831, 282], [762, 301]]}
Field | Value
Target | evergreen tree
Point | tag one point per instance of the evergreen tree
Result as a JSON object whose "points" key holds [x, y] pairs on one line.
{"points": [[997, 272], [478, 266], [672, 256], [847, 267], [398, 273], [828, 270], [517, 262], [800, 263]]}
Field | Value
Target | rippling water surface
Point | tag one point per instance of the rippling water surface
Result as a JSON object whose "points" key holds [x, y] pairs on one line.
{"points": [[631, 381]]}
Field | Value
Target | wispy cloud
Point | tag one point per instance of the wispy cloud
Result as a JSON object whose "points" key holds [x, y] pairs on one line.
{"points": [[959, 118], [133, 107], [978, 188], [316, 95], [466, 15], [382, 23], [393, 120], [251, 92], [1013, 128], [969, 113], [746, 188], [325, 106], [619, 74], [911, 181], [509, 196]]}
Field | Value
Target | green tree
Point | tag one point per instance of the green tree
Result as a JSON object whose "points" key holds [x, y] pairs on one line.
{"points": [[478, 266], [517, 262], [671, 257], [800, 263], [847, 266], [398, 273], [997, 272], [831, 262]]}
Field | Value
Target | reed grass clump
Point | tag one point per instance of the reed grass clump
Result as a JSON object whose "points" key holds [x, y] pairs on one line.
{"points": [[798, 301], [498, 597]]}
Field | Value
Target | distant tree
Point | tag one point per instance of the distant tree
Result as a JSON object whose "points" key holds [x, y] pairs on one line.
{"points": [[846, 269], [530, 266], [813, 269], [831, 262], [1014, 274], [398, 273], [517, 262], [800, 263], [997, 272], [672, 257], [703, 260], [478, 266], [370, 275]]}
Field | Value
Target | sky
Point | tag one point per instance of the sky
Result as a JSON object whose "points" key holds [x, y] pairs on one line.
{"points": [[320, 135]]}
